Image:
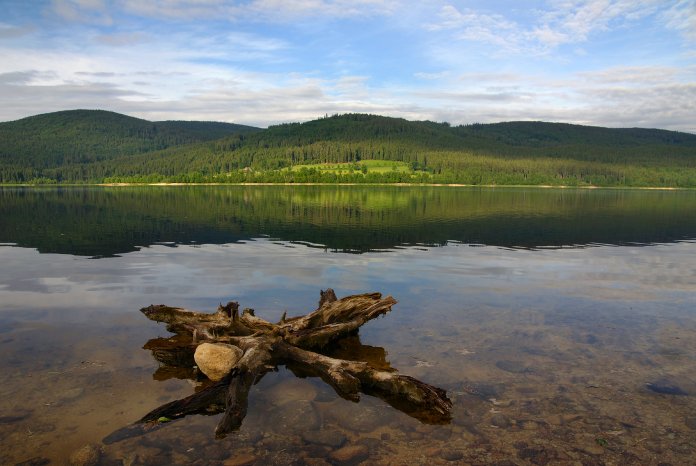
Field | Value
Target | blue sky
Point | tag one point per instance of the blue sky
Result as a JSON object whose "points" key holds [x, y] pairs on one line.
{"points": [[618, 63]]}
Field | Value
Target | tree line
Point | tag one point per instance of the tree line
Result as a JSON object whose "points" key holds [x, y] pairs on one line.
{"points": [[519, 153]]}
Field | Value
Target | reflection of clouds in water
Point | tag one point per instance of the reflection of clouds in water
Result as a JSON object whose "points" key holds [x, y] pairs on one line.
{"points": [[269, 275], [631, 273], [185, 275], [602, 272]]}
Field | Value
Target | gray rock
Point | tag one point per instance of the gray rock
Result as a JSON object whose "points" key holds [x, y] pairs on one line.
{"points": [[666, 387], [449, 454], [244, 459], [71, 394], [500, 420], [330, 438], [36, 461], [42, 428], [255, 437], [216, 360], [300, 415], [516, 367], [291, 390], [442, 433], [88, 455], [14, 415], [276, 443], [482, 390], [690, 422], [311, 461], [358, 418], [683, 449], [350, 454], [371, 443]]}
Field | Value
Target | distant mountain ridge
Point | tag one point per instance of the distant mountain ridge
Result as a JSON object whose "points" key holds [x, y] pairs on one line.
{"points": [[97, 146], [83, 136]]}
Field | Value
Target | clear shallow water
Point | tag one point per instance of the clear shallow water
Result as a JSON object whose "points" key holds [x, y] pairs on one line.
{"points": [[545, 327]]}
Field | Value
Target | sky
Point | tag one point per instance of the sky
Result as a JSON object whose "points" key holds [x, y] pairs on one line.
{"points": [[615, 63]]}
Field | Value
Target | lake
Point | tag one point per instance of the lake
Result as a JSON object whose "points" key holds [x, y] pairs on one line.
{"points": [[561, 322]]}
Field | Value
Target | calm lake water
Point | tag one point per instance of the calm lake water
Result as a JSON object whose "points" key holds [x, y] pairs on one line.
{"points": [[562, 323]]}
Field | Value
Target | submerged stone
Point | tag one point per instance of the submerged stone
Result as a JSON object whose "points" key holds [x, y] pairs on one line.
{"points": [[449, 454], [88, 455], [482, 390], [244, 459], [312, 461], [666, 388], [500, 420], [297, 416], [331, 438], [292, 390], [690, 422], [15, 415], [358, 418], [36, 461], [516, 367], [351, 454]]}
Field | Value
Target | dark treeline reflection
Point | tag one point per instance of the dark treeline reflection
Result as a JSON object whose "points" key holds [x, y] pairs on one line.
{"points": [[101, 221]]}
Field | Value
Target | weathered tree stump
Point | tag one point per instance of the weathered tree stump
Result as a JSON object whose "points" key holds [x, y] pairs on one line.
{"points": [[296, 342]]}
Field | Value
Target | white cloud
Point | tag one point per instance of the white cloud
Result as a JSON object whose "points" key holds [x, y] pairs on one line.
{"points": [[162, 84], [431, 76], [641, 76], [262, 77], [257, 10], [657, 97], [9, 31], [321, 8], [83, 11], [472, 25], [682, 17], [124, 39], [562, 22], [613, 97], [580, 18]]}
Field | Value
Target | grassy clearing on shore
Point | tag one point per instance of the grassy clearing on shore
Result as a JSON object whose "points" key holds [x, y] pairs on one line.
{"points": [[372, 166]]}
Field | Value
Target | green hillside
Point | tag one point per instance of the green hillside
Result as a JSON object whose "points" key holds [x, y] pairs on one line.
{"points": [[522, 153], [541, 134], [79, 137]]}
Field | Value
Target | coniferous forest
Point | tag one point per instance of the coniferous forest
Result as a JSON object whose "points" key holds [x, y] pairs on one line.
{"points": [[94, 146]]}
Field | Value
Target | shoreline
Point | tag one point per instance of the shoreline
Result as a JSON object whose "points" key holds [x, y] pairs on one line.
{"points": [[448, 185], [410, 185]]}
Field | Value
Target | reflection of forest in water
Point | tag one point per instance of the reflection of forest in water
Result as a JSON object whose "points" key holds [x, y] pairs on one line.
{"points": [[100, 221]]}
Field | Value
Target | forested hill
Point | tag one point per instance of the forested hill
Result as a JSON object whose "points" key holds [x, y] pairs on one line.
{"points": [[363, 127], [103, 146], [541, 134], [85, 136]]}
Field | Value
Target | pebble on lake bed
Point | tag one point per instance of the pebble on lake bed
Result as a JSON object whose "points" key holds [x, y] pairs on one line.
{"points": [[361, 418], [329, 438], [245, 459], [300, 415], [516, 367], [88, 455], [350, 454], [690, 422], [290, 391], [665, 387], [449, 454], [500, 420]]}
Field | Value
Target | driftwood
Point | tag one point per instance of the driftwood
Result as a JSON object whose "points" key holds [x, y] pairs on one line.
{"points": [[302, 343]]}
